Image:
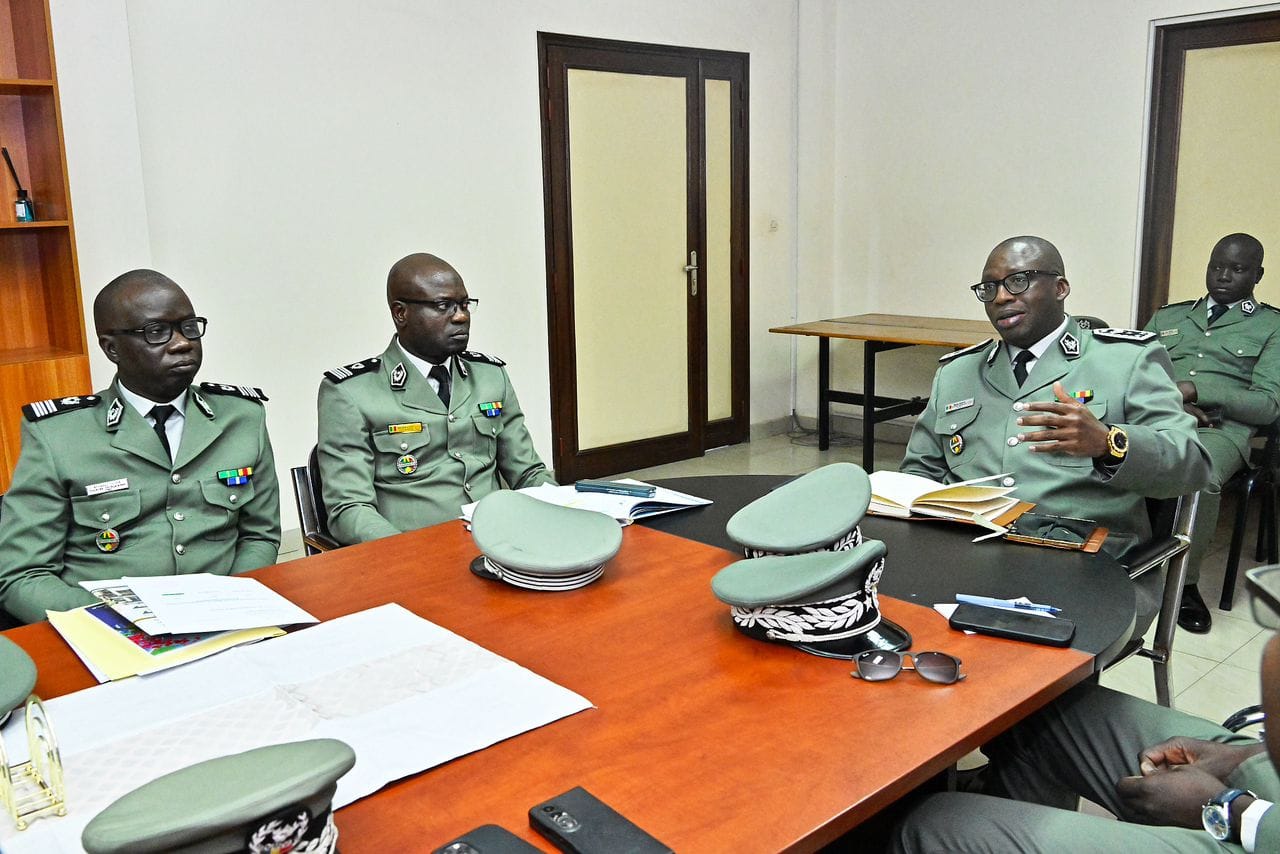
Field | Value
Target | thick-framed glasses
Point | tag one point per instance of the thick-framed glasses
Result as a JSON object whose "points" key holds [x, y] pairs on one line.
{"points": [[1014, 283], [877, 665], [1263, 583], [445, 307], [161, 331]]}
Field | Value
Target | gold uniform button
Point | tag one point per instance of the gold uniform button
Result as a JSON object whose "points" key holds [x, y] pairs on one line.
{"points": [[180, 549]]}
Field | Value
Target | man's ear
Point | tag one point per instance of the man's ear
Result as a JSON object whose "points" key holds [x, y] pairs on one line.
{"points": [[399, 311], [1064, 288], [108, 345], [1260, 272]]}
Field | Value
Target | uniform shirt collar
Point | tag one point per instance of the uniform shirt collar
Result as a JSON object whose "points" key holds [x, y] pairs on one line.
{"points": [[1038, 349], [143, 406], [1212, 302]]}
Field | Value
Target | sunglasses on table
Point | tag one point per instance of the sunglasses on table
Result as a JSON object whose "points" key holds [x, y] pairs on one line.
{"points": [[877, 665]]}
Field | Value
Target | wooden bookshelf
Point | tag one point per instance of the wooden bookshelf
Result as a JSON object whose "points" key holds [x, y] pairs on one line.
{"points": [[42, 336]]}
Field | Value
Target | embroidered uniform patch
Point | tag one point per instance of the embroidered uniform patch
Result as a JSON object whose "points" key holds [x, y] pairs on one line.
{"points": [[399, 376], [1132, 336], [1070, 345], [247, 392], [355, 369], [39, 409], [1248, 307]]}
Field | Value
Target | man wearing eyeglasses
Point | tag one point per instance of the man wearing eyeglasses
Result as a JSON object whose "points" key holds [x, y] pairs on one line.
{"points": [[151, 476], [1083, 424], [408, 437], [1225, 348], [1176, 782]]}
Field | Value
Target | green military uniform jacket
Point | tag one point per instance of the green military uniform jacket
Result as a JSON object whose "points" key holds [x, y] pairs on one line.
{"points": [[1235, 364], [393, 459], [969, 428], [95, 496]]}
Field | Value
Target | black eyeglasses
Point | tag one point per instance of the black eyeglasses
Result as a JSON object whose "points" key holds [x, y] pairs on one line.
{"points": [[446, 307], [877, 665], [161, 331], [1264, 588], [1014, 283]]}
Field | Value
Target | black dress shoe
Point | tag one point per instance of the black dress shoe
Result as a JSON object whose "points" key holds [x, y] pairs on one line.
{"points": [[1194, 614]]}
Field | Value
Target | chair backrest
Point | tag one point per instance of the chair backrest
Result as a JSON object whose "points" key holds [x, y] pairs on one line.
{"points": [[1087, 321], [311, 511]]}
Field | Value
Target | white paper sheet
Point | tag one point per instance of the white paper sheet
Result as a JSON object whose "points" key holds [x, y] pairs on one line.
{"points": [[202, 602], [404, 693]]}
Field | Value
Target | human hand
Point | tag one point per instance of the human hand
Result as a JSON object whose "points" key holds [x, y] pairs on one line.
{"points": [[1202, 419], [1189, 392], [1173, 796], [1075, 430], [1210, 756]]}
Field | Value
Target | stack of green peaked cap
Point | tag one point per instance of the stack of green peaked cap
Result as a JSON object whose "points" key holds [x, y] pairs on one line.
{"points": [[17, 677], [810, 578], [539, 546], [275, 798]]}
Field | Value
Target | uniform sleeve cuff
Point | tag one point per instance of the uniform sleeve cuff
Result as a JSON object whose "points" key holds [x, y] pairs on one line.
{"points": [[1249, 821]]}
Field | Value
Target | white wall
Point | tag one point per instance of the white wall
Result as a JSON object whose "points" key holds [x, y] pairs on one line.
{"points": [[292, 150]]}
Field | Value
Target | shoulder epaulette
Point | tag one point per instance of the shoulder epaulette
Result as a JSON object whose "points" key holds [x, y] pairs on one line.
{"points": [[38, 409], [247, 392], [354, 369], [1268, 306], [966, 351], [1184, 302], [1132, 336], [472, 356]]}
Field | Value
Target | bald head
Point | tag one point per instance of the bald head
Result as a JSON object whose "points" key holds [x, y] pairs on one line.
{"points": [[1033, 253], [428, 303], [145, 299], [114, 301]]}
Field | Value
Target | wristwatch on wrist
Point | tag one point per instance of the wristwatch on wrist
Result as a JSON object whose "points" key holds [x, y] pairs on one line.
{"points": [[1117, 444], [1216, 815]]}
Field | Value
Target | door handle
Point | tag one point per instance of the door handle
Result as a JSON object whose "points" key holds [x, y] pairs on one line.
{"points": [[692, 269]]}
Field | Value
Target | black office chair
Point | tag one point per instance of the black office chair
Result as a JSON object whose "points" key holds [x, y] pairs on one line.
{"points": [[1172, 525], [311, 511], [1245, 718], [1259, 475]]}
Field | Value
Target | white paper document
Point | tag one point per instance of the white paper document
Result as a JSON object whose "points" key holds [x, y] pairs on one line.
{"points": [[624, 508], [214, 603], [406, 694]]}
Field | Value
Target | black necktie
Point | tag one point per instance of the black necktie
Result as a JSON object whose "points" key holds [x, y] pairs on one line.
{"points": [[1216, 311], [440, 374], [1020, 365], [161, 415]]}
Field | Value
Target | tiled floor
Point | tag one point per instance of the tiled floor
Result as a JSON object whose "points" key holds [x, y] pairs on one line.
{"points": [[1213, 675]]}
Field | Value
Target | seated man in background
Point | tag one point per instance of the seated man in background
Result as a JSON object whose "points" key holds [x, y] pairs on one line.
{"points": [[408, 437], [1085, 424], [147, 477], [1177, 782], [1225, 348]]}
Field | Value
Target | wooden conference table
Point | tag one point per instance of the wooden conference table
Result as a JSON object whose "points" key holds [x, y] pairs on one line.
{"points": [[709, 740], [878, 333]]}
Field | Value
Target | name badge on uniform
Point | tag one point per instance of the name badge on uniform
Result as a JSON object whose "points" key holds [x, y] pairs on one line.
{"points": [[412, 427], [1165, 333], [957, 444], [108, 540], [107, 486], [407, 464], [959, 404], [236, 477], [1084, 395], [492, 409]]}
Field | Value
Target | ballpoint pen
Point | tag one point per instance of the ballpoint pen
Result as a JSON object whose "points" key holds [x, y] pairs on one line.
{"points": [[991, 602]]}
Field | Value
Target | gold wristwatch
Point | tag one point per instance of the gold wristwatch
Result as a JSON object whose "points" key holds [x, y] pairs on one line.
{"points": [[1117, 444]]}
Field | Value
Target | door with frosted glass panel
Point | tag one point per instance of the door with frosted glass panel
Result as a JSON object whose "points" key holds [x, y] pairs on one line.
{"points": [[645, 171]]}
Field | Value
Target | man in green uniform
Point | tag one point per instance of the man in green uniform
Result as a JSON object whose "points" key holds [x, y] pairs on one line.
{"points": [[147, 477], [1178, 783], [408, 437], [1225, 348], [1083, 424]]}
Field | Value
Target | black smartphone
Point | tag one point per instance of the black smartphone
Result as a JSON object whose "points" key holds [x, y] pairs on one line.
{"points": [[1051, 530], [1003, 623], [487, 839], [580, 823]]}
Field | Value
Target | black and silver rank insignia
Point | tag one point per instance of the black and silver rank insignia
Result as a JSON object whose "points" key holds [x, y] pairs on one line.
{"points": [[1070, 345], [399, 376], [114, 413], [108, 540], [957, 444], [407, 464], [1248, 306]]}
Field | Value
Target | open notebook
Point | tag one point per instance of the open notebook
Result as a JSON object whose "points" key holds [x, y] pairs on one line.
{"points": [[907, 495]]}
